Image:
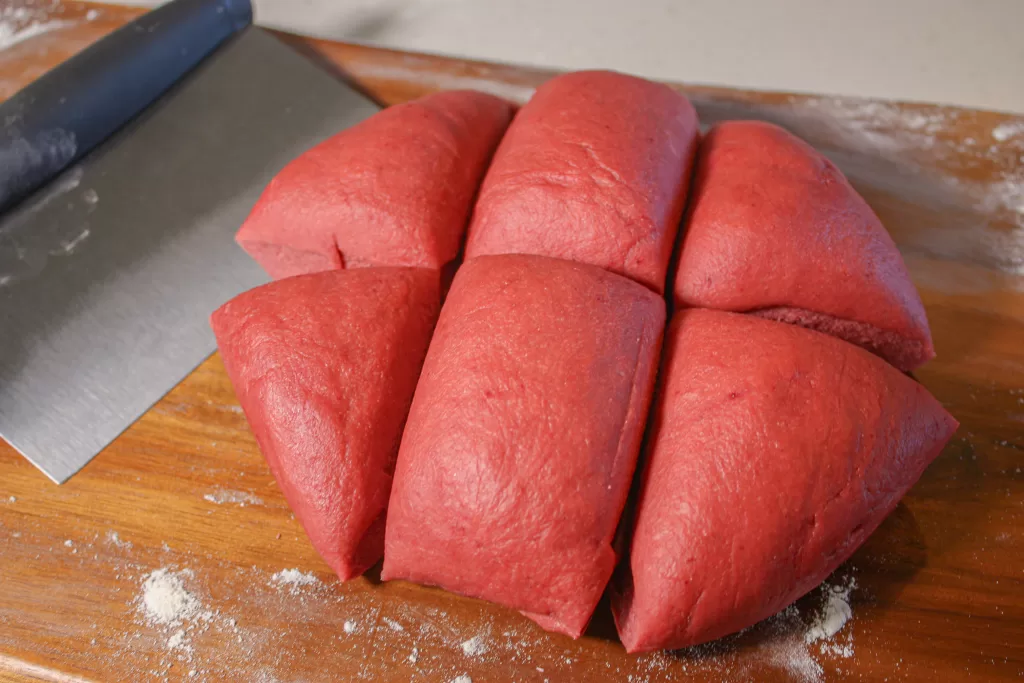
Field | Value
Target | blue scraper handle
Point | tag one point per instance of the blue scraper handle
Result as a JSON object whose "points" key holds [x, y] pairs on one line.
{"points": [[59, 118]]}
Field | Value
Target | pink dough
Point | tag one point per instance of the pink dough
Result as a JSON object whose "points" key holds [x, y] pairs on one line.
{"points": [[324, 366], [594, 169], [775, 451], [775, 229], [523, 436], [395, 190]]}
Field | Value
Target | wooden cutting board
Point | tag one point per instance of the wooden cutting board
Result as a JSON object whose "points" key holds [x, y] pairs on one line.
{"points": [[939, 587]]}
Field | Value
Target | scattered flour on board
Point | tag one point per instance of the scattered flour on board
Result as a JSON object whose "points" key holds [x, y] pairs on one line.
{"points": [[114, 539], [12, 499], [18, 24], [787, 650], [474, 647], [176, 640], [1005, 131], [165, 599], [896, 133], [881, 126], [801, 642], [834, 614], [242, 498], [791, 641], [294, 578], [393, 625], [462, 679]]}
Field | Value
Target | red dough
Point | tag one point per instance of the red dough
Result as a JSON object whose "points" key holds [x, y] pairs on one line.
{"points": [[395, 190], [523, 436], [324, 366], [775, 229], [775, 452], [594, 169]]}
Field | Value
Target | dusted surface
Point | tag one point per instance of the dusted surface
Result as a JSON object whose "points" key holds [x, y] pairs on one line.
{"points": [[939, 592], [523, 436], [325, 366], [594, 169], [395, 190], [773, 226], [775, 452]]}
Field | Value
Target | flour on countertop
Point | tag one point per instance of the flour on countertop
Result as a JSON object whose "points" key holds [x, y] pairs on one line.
{"points": [[176, 640], [393, 625], [242, 498], [791, 641], [10, 36], [843, 650], [462, 679], [165, 599], [785, 647], [880, 144], [474, 647], [881, 126], [18, 24], [1007, 130], [294, 578], [12, 499], [176, 606], [114, 539], [835, 613]]}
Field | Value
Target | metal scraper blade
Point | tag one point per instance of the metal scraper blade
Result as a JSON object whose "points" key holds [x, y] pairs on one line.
{"points": [[108, 275]]}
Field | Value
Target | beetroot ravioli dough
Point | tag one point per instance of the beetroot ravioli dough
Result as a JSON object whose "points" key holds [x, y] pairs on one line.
{"points": [[594, 169], [775, 229], [325, 366], [394, 190], [775, 452], [523, 436]]}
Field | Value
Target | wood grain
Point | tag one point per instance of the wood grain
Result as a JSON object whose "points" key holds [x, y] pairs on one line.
{"points": [[940, 586]]}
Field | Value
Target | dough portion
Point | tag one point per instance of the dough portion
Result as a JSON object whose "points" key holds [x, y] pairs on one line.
{"points": [[523, 436], [595, 169], [775, 229], [325, 366], [394, 190], [775, 451]]}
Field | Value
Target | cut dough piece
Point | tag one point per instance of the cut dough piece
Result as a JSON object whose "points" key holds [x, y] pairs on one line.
{"points": [[523, 436], [775, 229], [325, 366], [594, 169], [775, 451], [394, 190]]}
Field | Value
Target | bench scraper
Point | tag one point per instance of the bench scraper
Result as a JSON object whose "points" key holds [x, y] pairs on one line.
{"points": [[124, 174]]}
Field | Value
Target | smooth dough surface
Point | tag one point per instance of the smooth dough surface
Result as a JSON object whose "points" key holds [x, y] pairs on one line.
{"points": [[775, 229], [394, 190], [523, 436], [325, 366], [595, 169], [775, 451]]}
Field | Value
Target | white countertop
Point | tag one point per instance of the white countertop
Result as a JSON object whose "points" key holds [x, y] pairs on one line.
{"points": [[965, 52]]}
